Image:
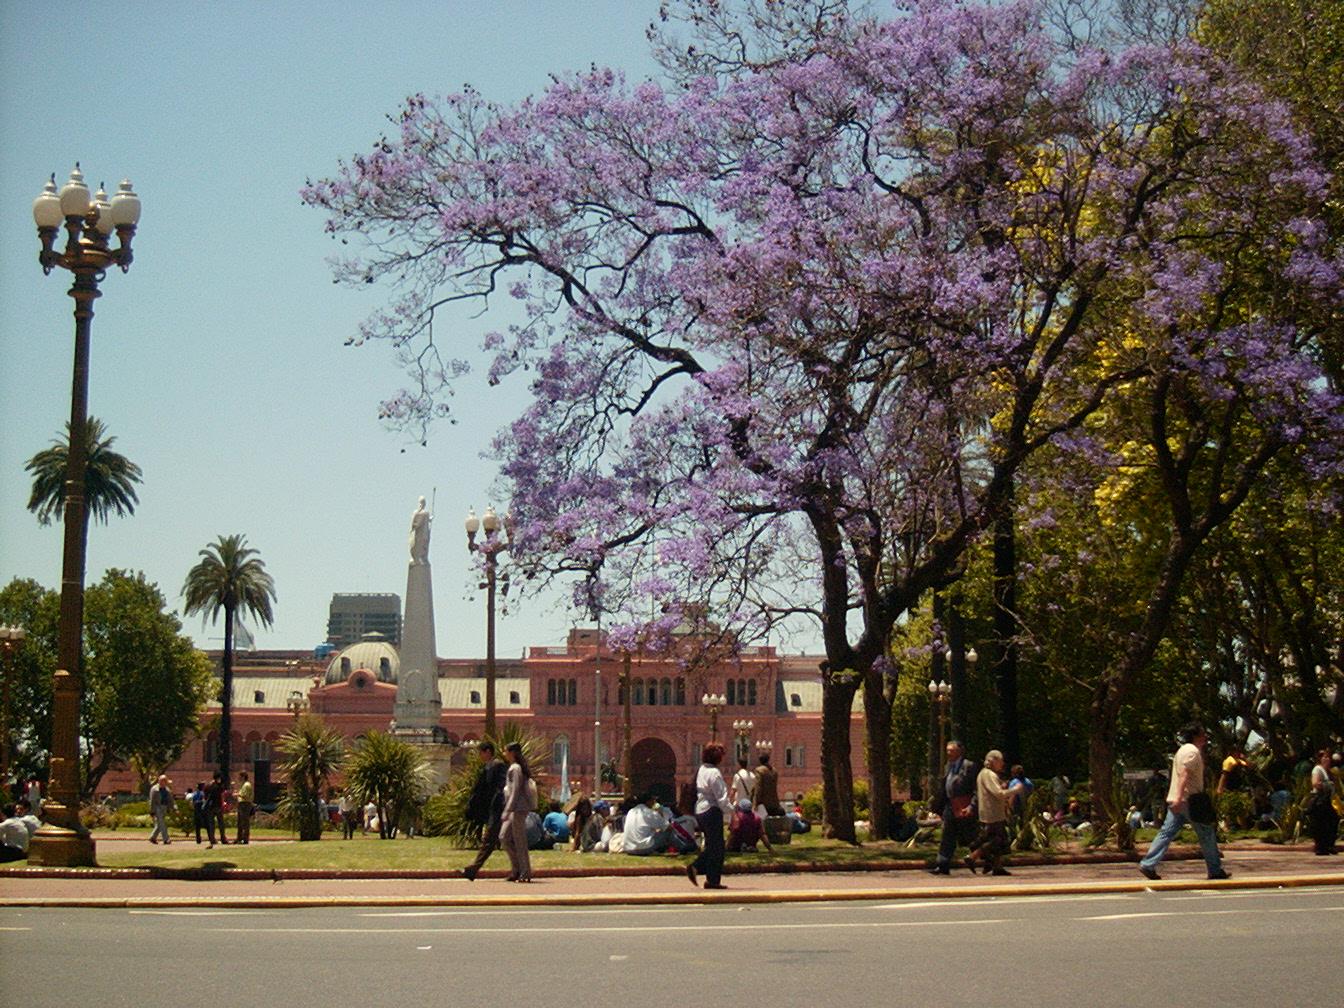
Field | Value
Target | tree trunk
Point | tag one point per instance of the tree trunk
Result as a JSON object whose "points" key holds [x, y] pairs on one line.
{"points": [[956, 667], [877, 704], [1005, 630], [226, 698], [837, 701]]}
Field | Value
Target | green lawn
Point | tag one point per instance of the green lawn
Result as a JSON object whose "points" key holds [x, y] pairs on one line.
{"points": [[434, 854]]}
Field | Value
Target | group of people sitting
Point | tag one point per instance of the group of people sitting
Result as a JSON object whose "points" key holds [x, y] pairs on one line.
{"points": [[17, 830]]}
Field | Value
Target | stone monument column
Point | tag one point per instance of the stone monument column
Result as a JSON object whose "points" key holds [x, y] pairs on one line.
{"points": [[417, 707]]}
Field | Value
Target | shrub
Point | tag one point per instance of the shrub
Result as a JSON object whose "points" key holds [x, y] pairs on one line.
{"points": [[813, 808], [1235, 808]]}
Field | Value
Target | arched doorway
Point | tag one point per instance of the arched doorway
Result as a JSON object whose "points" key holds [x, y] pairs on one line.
{"points": [[653, 767]]}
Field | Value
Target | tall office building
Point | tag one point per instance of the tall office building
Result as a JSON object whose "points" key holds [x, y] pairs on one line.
{"points": [[353, 615]]}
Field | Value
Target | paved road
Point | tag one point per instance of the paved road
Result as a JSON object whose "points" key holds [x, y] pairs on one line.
{"points": [[1264, 947]]}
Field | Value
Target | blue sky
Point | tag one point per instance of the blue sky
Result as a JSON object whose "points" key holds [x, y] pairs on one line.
{"points": [[218, 360]]}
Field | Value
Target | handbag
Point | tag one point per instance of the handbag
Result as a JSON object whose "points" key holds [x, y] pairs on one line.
{"points": [[961, 806], [1201, 810]]}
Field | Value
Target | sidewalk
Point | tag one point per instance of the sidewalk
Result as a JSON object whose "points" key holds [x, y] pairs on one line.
{"points": [[1252, 866]]}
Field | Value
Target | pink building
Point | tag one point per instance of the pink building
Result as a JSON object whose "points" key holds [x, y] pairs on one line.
{"points": [[770, 703]]}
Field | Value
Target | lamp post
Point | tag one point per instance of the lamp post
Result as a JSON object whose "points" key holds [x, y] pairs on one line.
{"points": [[940, 697], [90, 222], [296, 704], [491, 545], [742, 729], [764, 746], [713, 702], [11, 640], [626, 784]]}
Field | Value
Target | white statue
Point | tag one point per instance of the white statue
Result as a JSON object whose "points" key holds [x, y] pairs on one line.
{"points": [[420, 534]]}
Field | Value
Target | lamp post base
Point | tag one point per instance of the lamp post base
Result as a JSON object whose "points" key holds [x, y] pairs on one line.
{"points": [[57, 847]]}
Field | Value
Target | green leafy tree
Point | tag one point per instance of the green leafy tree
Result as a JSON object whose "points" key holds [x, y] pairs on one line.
{"points": [[312, 753], [28, 687], [391, 773], [109, 477], [145, 684], [230, 578]]}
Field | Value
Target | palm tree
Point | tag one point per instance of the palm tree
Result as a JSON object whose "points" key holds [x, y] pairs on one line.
{"points": [[109, 477], [391, 773], [230, 576], [312, 753]]}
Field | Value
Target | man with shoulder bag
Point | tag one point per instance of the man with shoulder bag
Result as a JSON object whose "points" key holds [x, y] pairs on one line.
{"points": [[953, 798], [1187, 802]]}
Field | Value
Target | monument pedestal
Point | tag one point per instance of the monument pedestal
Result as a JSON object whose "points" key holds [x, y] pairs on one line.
{"points": [[417, 707]]}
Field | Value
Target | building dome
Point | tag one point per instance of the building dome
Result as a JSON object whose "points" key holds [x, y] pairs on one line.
{"points": [[371, 652]]}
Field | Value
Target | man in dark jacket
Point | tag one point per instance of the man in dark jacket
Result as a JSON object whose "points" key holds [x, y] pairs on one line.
{"points": [[486, 805], [954, 800]]}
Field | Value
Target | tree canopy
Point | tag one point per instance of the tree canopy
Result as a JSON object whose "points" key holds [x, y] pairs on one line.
{"points": [[798, 315]]}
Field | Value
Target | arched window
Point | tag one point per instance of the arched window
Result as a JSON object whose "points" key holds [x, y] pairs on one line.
{"points": [[475, 696], [515, 697], [652, 697], [384, 669], [681, 692], [665, 692], [345, 668], [732, 693], [573, 692], [211, 750], [742, 691], [751, 692], [550, 692], [638, 698]]}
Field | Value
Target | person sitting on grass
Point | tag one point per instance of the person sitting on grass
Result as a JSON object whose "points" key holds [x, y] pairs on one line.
{"points": [[745, 830], [555, 824], [13, 837], [646, 827]]}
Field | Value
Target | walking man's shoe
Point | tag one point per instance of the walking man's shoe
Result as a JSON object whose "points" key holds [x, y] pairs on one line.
{"points": [[690, 874], [1149, 873], [1219, 874], [940, 870]]}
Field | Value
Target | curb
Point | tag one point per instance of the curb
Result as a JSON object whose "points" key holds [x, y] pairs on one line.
{"points": [[671, 899], [672, 870]]}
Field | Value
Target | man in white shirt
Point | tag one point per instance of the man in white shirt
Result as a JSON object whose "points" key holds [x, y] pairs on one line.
{"points": [[1187, 778], [645, 828], [13, 837]]}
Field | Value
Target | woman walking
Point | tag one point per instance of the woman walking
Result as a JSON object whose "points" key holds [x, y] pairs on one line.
{"points": [[513, 820], [1321, 815], [711, 805]]}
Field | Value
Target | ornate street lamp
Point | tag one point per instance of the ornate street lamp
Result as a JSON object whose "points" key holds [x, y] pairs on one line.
{"points": [[742, 729], [90, 221], [764, 746], [11, 641], [296, 704], [713, 702], [490, 546], [940, 695]]}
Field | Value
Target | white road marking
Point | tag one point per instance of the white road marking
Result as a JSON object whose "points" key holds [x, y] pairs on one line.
{"points": [[1004, 901], [202, 913], [1207, 913], [15, 929], [548, 911], [814, 926]]}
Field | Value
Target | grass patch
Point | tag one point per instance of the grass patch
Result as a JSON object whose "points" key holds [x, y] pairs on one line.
{"points": [[367, 853]]}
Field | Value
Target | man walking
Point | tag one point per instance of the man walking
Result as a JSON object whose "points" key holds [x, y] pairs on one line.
{"points": [[160, 801], [245, 807], [1187, 779], [486, 805], [954, 800]]}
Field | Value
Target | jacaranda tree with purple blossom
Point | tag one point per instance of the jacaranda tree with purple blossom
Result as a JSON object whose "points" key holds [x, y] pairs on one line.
{"points": [[797, 315]]}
